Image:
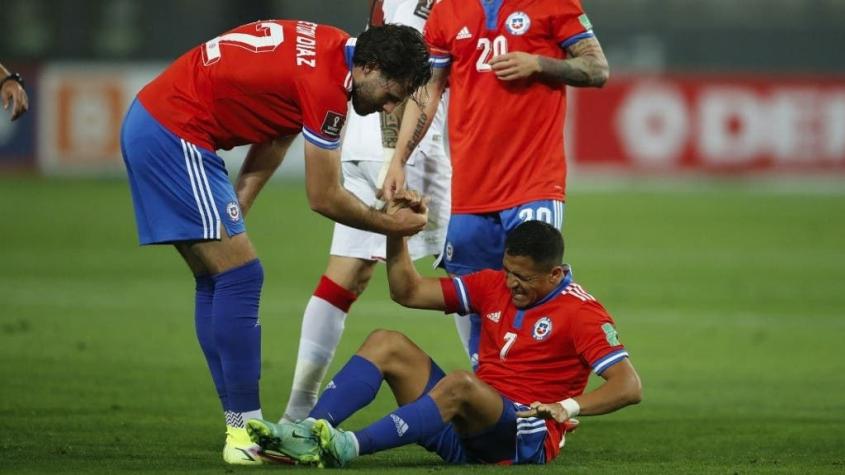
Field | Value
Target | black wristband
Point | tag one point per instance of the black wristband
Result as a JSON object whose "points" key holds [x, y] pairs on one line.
{"points": [[13, 77]]}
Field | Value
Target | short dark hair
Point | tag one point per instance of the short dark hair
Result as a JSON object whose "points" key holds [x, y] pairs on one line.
{"points": [[540, 241], [398, 51]]}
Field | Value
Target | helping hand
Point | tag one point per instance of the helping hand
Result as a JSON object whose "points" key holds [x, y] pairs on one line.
{"points": [[394, 180], [12, 92]]}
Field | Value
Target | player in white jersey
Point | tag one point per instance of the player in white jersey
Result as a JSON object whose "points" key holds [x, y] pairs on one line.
{"points": [[367, 148]]}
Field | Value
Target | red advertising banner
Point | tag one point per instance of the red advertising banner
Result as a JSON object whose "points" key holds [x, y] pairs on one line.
{"points": [[716, 123]]}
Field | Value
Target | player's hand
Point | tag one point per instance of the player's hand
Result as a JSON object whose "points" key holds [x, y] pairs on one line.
{"points": [[406, 198], [410, 209], [545, 411], [409, 222], [394, 180], [517, 65], [14, 94]]}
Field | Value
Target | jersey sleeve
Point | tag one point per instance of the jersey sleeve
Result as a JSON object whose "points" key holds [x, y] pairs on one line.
{"points": [[435, 35], [570, 24], [596, 339], [323, 113], [467, 293]]}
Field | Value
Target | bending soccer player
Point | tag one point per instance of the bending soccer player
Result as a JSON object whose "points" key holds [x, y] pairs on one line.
{"points": [[262, 84], [541, 336], [367, 146]]}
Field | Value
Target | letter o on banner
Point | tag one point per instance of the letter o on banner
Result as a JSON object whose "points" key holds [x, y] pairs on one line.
{"points": [[654, 125]]}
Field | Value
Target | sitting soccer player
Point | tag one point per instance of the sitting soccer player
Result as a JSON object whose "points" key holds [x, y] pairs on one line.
{"points": [[541, 336]]}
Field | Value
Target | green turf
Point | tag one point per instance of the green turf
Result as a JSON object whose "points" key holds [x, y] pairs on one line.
{"points": [[730, 302]]}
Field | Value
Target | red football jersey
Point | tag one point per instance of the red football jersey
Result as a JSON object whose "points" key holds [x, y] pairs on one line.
{"points": [[541, 353], [506, 138], [255, 83]]}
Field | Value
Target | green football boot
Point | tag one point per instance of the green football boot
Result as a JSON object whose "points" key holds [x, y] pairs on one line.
{"points": [[239, 449], [337, 446], [286, 439]]}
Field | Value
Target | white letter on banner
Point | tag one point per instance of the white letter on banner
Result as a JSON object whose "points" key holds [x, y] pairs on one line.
{"points": [[653, 124], [730, 125]]}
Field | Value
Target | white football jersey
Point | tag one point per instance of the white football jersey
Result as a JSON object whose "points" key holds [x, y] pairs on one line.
{"points": [[362, 138]]}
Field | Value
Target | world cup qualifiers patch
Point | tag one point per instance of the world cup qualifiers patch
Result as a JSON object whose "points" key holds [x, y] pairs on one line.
{"points": [[542, 329], [332, 124], [517, 23], [611, 334], [585, 22]]}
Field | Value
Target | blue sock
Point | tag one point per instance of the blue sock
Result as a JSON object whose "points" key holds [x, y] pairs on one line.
{"points": [[409, 424], [238, 334], [352, 388], [204, 325]]}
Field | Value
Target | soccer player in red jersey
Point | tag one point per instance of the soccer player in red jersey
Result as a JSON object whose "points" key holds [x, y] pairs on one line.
{"points": [[507, 63], [542, 334], [262, 84]]}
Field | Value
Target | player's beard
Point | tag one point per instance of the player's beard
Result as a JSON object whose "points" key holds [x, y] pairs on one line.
{"points": [[361, 99]]}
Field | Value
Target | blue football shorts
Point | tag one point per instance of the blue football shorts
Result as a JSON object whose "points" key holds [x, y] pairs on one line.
{"points": [[180, 192], [477, 241], [512, 440]]}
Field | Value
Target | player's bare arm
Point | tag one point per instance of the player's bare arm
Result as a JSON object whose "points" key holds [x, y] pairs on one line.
{"points": [[390, 123], [586, 66], [328, 197], [407, 287], [419, 113], [260, 163], [622, 387], [12, 93]]}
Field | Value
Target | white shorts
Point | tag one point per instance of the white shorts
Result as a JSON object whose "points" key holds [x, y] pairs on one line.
{"points": [[430, 175]]}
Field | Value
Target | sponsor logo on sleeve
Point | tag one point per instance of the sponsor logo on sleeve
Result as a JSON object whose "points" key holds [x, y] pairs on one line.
{"points": [[423, 8], [332, 124]]}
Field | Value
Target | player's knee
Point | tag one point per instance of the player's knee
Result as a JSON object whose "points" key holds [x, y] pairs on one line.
{"points": [[384, 345], [458, 384]]}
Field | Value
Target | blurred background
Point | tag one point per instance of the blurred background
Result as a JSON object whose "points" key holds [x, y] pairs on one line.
{"points": [[704, 209], [714, 86]]}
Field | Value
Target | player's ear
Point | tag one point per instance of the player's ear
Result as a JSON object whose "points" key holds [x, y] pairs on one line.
{"points": [[556, 274]]}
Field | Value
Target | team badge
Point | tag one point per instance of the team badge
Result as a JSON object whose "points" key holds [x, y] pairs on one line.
{"points": [[542, 329], [449, 251], [234, 211], [332, 124], [517, 23]]}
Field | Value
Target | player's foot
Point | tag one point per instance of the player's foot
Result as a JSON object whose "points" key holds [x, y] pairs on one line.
{"points": [[239, 449], [285, 440], [337, 446]]}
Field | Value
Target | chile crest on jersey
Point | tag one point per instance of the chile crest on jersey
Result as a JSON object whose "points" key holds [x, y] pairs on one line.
{"points": [[542, 329], [518, 23]]}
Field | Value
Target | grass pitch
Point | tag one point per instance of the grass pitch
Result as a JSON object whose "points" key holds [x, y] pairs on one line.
{"points": [[731, 303]]}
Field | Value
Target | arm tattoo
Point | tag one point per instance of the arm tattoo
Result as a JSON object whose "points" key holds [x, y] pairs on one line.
{"points": [[419, 133], [587, 66], [390, 124]]}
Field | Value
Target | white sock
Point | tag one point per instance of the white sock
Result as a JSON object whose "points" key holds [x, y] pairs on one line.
{"points": [[322, 327], [238, 419]]}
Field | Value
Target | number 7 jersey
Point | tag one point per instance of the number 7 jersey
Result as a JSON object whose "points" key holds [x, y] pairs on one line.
{"points": [[506, 137], [255, 83], [544, 352]]}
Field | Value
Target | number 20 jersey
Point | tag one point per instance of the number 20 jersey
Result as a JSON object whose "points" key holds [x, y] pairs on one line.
{"points": [[506, 138], [255, 83]]}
